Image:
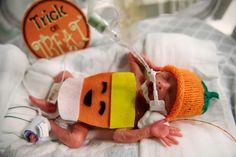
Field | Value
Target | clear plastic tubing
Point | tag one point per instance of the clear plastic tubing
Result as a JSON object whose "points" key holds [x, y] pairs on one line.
{"points": [[104, 17]]}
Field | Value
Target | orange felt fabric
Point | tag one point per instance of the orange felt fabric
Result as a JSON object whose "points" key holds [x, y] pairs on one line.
{"points": [[90, 114]]}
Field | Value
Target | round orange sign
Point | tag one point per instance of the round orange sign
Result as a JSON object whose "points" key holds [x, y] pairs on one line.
{"points": [[54, 27]]}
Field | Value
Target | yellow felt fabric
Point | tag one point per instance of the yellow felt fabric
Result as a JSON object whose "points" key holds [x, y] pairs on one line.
{"points": [[123, 97]]}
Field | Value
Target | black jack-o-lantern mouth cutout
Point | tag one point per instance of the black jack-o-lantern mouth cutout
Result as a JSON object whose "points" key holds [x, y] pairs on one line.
{"points": [[104, 87], [95, 102], [88, 98], [102, 107], [89, 95]]}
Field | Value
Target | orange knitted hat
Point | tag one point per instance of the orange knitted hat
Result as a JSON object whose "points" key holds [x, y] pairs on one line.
{"points": [[192, 97]]}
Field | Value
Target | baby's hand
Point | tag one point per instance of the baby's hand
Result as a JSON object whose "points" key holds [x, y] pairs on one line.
{"points": [[33, 138], [165, 133]]}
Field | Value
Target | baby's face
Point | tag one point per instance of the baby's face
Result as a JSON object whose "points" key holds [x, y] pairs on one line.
{"points": [[166, 86]]}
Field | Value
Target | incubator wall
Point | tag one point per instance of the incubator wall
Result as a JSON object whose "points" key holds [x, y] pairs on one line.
{"points": [[212, 11], [11, 14]]}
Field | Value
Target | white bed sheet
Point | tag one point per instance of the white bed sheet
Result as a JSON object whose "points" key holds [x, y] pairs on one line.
{"points": [[199, 139]]}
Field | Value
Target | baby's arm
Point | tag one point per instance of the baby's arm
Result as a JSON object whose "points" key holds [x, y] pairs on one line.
{"points": [[150, 63], [138, 69], [44, 104], [136, 65], [158, 129], [131, 135], [73, 137]]}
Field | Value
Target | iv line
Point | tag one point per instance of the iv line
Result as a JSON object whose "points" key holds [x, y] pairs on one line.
{"points": [[211, 124], [64, 67], [133, 50], [102, 26], [29, 107], [18, 118]]}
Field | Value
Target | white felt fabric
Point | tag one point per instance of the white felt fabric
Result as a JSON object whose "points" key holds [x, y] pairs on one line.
{"points": [[69, 98]]}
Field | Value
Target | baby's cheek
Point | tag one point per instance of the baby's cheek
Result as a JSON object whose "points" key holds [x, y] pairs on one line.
{"points": [[161, 95]]}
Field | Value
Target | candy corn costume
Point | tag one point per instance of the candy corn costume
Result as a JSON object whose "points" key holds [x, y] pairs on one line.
{"points": [[108, 99], [104, 100]]}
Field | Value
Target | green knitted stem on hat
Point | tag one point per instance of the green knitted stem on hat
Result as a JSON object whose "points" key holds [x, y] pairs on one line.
{"points": [[207, 96]]}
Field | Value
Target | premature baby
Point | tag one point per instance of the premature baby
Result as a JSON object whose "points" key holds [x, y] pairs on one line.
{"points": [[182, 93]]}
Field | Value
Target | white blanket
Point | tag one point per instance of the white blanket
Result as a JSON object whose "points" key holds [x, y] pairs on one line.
{"points": [[199, 139], [13, 64], [13, 61]]}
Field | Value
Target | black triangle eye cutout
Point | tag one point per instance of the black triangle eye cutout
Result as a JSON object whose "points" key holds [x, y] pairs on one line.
{"points": [[104, 87], [102, 107], [88, 98]]}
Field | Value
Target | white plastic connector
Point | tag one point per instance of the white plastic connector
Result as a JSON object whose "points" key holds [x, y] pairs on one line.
{"points": [[156, 104], [53, 93]]}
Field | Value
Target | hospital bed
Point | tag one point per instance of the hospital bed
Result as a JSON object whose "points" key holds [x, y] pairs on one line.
{"points": [[185, 42]]}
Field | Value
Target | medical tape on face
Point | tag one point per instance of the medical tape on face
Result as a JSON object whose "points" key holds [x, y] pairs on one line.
{"points": [[156, 104], [144, 89]]}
